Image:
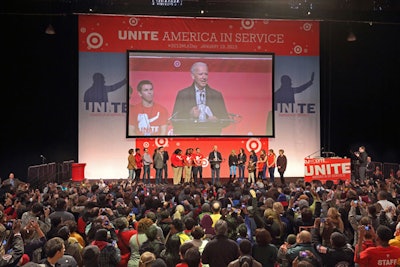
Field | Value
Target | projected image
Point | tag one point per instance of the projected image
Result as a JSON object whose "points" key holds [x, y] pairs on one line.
{"points": [[200, 94]]}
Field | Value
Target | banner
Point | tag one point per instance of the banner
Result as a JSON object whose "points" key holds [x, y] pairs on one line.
{"points": [[324, 169], [103, 44]]}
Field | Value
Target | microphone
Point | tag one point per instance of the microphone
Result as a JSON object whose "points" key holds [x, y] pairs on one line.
{"points": [[173, 115], [234, 115], [43, 157], [319, 150]]}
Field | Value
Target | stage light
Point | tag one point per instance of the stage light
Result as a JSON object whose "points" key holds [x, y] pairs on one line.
{"points": [[50, 30], [351, 37]]}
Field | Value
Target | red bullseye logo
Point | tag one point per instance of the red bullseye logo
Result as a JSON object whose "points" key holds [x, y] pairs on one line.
{"points": [[161, 142], [253, 144]]}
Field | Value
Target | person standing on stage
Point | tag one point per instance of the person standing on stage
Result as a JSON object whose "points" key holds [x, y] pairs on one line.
{"points": [[362, 156], [131, 164], [188, 163], [147, 161], [197, 165], [242, 158], [158, 163], [233, 162], [165, 168], [271, 165], [177, 165], [262, 165], [139, 164], [215, 159], [281, 162]]}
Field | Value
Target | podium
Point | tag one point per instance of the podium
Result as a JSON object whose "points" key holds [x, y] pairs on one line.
{"points": [[78, 172]]}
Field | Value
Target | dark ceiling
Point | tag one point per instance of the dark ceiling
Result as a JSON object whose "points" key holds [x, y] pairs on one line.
{"points": [[384, 11]]}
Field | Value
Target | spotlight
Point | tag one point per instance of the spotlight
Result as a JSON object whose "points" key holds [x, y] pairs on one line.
{"points": [[50, 30], [351, 37]]}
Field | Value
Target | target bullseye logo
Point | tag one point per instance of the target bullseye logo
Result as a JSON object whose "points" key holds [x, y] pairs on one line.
{"points": [[161, 142], [253, 144], [94, 40], [247, 24]]}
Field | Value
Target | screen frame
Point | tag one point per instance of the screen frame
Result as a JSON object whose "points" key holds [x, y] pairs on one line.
{"points": [[270, 124]]}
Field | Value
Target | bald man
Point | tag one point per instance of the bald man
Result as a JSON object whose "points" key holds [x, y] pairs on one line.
{"points": [[303, 249]]}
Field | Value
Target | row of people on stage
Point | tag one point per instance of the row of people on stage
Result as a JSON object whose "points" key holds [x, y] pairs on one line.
{"points": [[188, 165]]}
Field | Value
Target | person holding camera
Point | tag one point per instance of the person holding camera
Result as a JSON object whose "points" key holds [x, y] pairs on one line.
{"points": [[14, 248], [303, 249]]}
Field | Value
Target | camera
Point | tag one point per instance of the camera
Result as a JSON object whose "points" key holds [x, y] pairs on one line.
{"points": [[229, 206], [303, 254], [8, 225], [367, 228]]}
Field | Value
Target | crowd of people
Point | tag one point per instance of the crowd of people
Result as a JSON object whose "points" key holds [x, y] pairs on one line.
{"points": [[129, 223]]}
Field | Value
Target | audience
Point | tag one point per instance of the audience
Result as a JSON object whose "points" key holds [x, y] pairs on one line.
{"points": [[126, 224]]}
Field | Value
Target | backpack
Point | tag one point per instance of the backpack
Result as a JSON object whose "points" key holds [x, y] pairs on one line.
{"points": [[246, 261]]}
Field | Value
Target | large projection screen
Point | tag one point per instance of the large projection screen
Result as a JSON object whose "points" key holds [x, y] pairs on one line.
{"points": [[237, 100]]}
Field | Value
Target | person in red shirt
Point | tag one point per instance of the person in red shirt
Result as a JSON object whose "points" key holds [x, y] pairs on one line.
{"points": [[188, 164], [271, 164], [381, 255], [139, 164], [197, 165], [177, 165]]}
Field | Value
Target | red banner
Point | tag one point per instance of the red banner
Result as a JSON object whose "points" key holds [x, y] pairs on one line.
{"points": [[324, 169], [121, 33]]}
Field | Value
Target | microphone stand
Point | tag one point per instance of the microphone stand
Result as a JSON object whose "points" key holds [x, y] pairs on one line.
{"points": [[319, 150]]}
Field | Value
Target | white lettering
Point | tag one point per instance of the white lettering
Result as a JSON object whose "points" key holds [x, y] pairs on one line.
{"points": [[138, 35], [259, 38], [190, 36]]}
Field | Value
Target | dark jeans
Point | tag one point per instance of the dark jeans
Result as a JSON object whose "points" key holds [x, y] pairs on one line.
{"points": [[215, 175], [241, 167], [271, 171], [159, 176], [197, 170], [165, 170], [146, 173]]}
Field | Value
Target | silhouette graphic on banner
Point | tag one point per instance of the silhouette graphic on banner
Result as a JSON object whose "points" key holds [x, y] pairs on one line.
{"points": [[285, 93], [98, 92]]}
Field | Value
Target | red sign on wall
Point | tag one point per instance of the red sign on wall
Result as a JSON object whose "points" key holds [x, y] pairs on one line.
{"points": [[324, 169], [121, 33]]}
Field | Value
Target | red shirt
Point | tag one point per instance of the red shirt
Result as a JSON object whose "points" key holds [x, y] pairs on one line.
{"points": [[198, 159], [379, 256], [148, 120], [177, 160], [139, 161]]}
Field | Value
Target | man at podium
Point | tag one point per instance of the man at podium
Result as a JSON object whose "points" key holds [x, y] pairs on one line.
{"points": [[199, 109]]}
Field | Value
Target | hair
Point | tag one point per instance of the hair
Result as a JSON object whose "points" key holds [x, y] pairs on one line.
{"points": [[121, 223], [151, 215], [146, 259], [221, 227], [242, 230], [144, 224], [178, 224], [130, 151], [245, 247], [196, 65], [141, 83], [151, 232], [192, 257], [189, 223], [263, 236], [384, 233], [184, 247], [53, 245], [197, 232], [338, 240], [177, 151]]}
